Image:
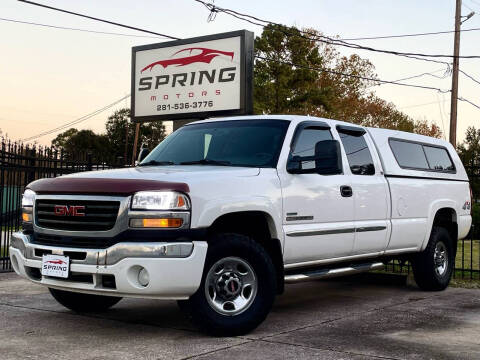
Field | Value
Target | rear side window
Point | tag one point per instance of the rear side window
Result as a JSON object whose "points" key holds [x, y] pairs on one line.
{"points": [[412, 155], [358, 154], [438, 158], [409, 155]]}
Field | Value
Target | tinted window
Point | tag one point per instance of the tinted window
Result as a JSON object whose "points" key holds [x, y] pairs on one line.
{"points": [[358, 154], [305, 144], [408, 154], [438, 158], [255, 143]]}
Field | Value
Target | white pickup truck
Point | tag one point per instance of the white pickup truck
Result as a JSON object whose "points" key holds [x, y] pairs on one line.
{"points": [[224, 212]]}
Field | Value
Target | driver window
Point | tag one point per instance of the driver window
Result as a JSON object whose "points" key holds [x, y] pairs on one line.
{"points": [[305, 144]]}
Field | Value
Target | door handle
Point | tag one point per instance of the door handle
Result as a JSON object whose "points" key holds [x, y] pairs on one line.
{"points": [[346, 191]]}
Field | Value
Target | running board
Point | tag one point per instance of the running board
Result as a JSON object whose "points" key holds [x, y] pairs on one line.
{"points": [[330, 273]]}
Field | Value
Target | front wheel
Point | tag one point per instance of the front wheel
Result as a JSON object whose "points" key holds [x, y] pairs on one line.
{"points": [[238, 287], [433, 267], [80, 302]]}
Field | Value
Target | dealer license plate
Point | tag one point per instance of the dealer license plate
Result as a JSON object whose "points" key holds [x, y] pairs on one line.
{"points": [[55, 265]]}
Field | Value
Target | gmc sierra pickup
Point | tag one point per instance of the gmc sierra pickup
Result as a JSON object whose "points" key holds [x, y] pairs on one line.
{"points": [[224, 212]]}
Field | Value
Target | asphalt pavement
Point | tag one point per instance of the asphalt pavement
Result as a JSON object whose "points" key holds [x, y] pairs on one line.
{"points": [[372, 316]]}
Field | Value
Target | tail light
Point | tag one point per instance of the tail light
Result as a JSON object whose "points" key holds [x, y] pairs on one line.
{"points": [[471, 199]]}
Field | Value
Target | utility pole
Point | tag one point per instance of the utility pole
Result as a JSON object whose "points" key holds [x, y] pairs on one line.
{"points": [[125, 155], [135, 143], [456, 53]]}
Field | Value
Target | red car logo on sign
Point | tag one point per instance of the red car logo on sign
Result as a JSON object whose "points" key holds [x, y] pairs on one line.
{"points": [[65, 210], [56, 262], [205, 56]]}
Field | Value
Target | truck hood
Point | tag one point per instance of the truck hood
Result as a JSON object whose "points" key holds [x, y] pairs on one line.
{"points": [[130, 180], [183, 173]]}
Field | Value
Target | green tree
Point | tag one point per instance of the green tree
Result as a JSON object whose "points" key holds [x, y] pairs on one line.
{"points": [[77, 145], [469, 149], [280, 87], [469, 152], [121, 139], [316, 86], [60, 142], [112, 145]]}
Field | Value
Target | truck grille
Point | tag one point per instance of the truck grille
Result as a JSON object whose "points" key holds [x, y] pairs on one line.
{"points": [[92, 215]]}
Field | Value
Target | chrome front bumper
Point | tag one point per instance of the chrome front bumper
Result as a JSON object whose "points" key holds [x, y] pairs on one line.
{"points": [[175, 268]]}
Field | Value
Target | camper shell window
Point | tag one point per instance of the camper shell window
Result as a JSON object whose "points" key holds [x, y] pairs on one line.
{"points": [[420, 156]]}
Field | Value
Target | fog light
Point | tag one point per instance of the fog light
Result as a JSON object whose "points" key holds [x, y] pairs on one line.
{"points": [[143, 277]]}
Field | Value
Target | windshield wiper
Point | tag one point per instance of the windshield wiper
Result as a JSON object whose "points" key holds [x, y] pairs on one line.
{"points": [[155, 162], [206, 162]]}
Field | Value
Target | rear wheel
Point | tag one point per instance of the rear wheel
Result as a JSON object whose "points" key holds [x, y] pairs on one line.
{"points": [[433, 267], [84, 302], [238, 287]]}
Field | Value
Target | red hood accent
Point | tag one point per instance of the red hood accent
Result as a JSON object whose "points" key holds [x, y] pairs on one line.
{"points": [[206, 56], [103, 186]]}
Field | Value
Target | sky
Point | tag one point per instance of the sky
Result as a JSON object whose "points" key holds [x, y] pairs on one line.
{"points": [[52, 76]]}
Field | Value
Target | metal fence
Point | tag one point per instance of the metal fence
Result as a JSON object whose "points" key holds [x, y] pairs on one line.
{"points": [[20, 165], [467, 262]]}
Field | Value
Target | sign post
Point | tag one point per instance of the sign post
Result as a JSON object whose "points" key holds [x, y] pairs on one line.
{"points": [[193, 78]]}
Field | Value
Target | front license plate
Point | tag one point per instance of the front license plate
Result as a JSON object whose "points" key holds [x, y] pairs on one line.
{"points": [[55, 265]]}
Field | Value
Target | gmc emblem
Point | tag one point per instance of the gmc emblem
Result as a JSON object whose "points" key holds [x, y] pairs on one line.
{"points": [[65, 210]]}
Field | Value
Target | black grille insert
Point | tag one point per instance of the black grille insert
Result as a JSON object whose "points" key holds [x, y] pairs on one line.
{"points": [[73, 242], [92, 215]]}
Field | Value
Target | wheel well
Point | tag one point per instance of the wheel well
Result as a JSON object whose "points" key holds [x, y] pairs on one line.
{"points": [[258, 226], [447, 218]]}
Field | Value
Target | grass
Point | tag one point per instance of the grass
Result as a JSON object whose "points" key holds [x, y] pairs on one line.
{"points": [[465, 283], [470, 254]]}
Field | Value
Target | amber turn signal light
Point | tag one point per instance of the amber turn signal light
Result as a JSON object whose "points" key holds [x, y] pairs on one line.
{"points": [[26, 217], [156, 223]]}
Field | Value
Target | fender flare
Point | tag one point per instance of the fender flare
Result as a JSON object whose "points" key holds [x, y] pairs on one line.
{"points": [[433, 209], [218, 207]]}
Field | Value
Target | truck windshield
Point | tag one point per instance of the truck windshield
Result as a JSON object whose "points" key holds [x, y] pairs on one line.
{"points": [[250, 143]]}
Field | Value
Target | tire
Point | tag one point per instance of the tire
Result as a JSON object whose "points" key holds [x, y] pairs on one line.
{"points": [[431, 269], [79, 302], [237, 290]]}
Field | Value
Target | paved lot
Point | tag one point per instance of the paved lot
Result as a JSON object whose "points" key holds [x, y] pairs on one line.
{"points": [[366, 317]]}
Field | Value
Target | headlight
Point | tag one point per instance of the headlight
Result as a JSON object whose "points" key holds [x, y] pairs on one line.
{"points": [[160, 200], [27, 206], [28, 198]]}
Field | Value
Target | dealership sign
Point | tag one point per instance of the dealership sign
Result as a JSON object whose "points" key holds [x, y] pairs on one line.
{"points": [[193, 78]]}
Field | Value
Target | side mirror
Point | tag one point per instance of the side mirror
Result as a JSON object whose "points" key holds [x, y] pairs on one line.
{"points": [[327, 158], [143, 154]]}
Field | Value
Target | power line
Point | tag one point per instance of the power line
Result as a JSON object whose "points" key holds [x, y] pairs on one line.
{"points": [[76, 121], [468, 7], [424, 104], [446, 73], [407, 35], [77, 29], [469, 76], [98, 19], [468, 101], [322, 38], [392, 82]]}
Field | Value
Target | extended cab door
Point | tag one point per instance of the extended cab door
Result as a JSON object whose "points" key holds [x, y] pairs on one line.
{"points": [[370, 191], [318, 210]]}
